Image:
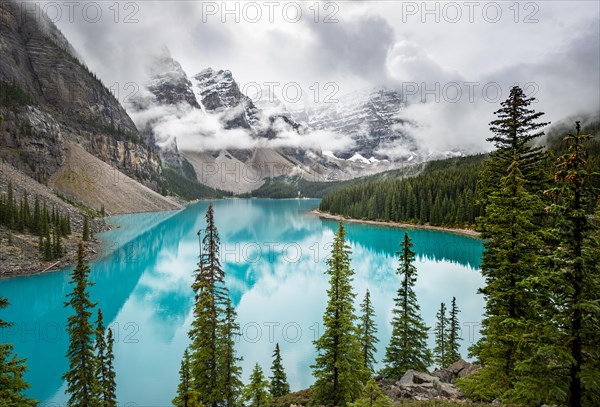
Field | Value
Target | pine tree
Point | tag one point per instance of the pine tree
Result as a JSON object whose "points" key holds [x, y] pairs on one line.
{"points": [[279, 384], [408, 345], [36, 225], [100, 354], [186, 395], [82, 385], [48, 254], [511, 257], [230, 383], [510, 190], [454, 334], [12, 370], [25, 213], [104, 371], [68, 224], [441, 338], [565, 364], [211, 297], [367, 331], [57, 249], [372, 396], [86, 229], [256, 393], [515, 128], [110, 384], [339, 369]]}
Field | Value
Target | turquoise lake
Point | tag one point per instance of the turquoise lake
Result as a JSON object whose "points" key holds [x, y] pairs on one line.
{"points": [[273, 254]]}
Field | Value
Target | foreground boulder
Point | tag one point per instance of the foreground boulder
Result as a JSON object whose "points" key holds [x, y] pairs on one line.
{"points": [[420, 386], [457, 370]]}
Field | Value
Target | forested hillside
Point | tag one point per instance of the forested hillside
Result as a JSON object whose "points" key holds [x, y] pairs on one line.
{"points": [[297, 187], [443, 194]]}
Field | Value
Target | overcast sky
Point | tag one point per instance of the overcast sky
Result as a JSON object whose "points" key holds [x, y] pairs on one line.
{"points": [[552, 45]]}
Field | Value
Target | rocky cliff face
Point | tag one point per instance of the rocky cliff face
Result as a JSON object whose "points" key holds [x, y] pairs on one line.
{"points": [[371, 118], [66, 102], [168, 87], [219, 92], [268, 121], [169, 83]]}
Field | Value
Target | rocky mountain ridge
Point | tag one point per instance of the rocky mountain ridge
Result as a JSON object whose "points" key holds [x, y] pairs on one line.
{"points": [[268, 123], [49, 98]]}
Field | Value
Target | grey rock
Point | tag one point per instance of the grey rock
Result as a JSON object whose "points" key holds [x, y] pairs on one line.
{"points": [[458, 369], [372, 118], [72, 104], [419, 386]]}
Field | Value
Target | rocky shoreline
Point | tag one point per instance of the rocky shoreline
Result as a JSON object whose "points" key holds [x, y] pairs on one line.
{"points": [[459, 231], [440, 385], [22, 256]]}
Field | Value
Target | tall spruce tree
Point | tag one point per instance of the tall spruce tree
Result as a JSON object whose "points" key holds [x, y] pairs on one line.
{"points": [[577, 259], [110, 383], [511, 257], [210, 303], [515, 130], [104, 370], [279, 385], [565, 364], [230, 383], [441, 338], [408, 345], [100, 355], [82, 384], [36, 225], [339, 369], [256, 392], [367, 332], [12, 370], [454, 333], [511, 187], [186, 395]]}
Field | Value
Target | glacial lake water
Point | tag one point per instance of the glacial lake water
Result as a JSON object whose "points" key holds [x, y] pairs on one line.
{"points": [[273, 254]]}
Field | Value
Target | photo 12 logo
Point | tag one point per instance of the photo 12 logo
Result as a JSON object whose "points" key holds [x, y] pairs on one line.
{"points": [[269, 11], [291, 92], [469, 11], [93, 12], [454, 92]]}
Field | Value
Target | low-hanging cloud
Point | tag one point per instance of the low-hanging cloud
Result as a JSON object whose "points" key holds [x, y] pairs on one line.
{"points": [[446, 111], [196, 130], [370, 44]]}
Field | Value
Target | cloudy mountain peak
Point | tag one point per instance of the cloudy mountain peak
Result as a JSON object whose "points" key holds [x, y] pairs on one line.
{"points": [[169, 83], [372, 117], [219, 92]]}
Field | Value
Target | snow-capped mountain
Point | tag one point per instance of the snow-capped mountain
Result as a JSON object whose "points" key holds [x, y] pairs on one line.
{"points": [[370, 117], [278, 135], [169, 83], [219, 92], [270, 104]]}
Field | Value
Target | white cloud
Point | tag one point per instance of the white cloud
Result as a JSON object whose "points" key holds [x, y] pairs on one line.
{"points": [[372, 43]]}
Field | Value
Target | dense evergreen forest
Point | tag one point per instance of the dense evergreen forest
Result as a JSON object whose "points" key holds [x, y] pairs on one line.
{"points": [[443, 194], [296, 187], [35, 218]]}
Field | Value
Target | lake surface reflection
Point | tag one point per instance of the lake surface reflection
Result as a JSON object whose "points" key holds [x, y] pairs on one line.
{"points": [[274, 256]]}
